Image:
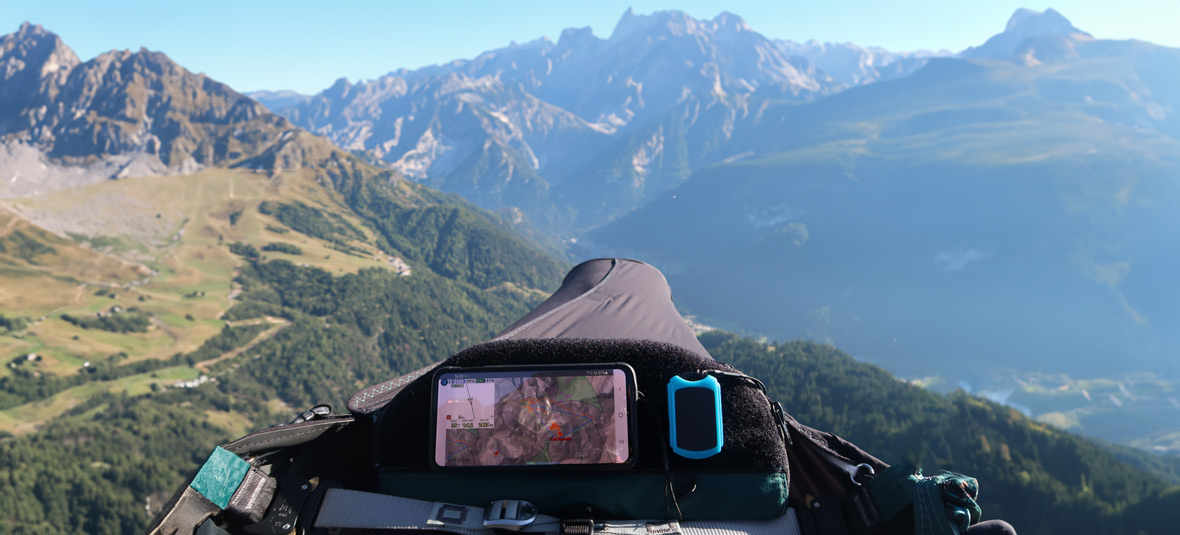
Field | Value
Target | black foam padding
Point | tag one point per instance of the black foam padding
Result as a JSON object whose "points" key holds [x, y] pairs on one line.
{"points": [[752, 443]]}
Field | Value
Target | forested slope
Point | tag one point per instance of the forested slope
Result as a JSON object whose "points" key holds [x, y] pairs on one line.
{"points": [[1040, 479]]}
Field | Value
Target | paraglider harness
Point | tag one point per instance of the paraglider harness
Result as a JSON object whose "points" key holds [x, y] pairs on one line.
{"points": [[760, 472]]}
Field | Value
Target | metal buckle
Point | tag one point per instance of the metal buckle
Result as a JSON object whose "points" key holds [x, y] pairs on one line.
{"points": [[509, 514]]}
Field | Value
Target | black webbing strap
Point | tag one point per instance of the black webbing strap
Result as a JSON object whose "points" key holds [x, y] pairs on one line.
{"points": [[227, 482]]}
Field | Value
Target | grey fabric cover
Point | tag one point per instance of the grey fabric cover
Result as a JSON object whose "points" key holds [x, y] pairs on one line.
{"points": [[609, 298], [601, 299]]}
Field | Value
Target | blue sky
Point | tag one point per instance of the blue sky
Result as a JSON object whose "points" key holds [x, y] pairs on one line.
{"points": [[303, 45]]}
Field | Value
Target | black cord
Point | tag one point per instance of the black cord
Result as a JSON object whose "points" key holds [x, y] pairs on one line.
{"points": [[669, 491]]}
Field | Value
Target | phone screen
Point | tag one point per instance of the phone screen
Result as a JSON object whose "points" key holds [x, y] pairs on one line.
{"points": [[510, 416]]}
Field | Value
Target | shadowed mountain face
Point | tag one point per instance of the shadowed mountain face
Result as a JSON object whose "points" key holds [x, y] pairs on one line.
{"points": [[576, 132], [980, 213]]}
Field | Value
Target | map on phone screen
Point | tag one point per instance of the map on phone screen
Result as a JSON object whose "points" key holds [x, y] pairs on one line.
{"points": [[506, 418]]}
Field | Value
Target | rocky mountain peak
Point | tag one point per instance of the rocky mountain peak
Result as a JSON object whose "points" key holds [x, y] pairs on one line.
{"points": [[123, 113], [339, 88], [1028, 22], [574, 37], [33, 61], [33, 45], [1025, 24], [674, 22], [726, 21]]}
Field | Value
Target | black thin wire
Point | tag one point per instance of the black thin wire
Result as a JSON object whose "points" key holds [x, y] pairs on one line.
{"points": [[669, 491]]}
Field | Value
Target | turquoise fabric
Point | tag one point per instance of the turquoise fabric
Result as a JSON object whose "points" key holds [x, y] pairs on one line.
{"points": [[220, 476], [943, 504]]}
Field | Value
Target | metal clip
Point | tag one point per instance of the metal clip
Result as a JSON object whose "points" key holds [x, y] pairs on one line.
{"points": [[509, 514], [861, 473]]}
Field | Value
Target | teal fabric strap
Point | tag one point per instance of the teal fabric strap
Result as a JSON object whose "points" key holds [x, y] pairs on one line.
{"points": [[955, 495], [220, 476], [893, 489], [943, 504]]}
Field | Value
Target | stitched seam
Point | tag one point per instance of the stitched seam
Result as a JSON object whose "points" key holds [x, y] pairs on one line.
{"points": [[310, 430]]}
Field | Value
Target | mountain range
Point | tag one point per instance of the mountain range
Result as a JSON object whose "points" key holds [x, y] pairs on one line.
{"points": [[577, 132], [963, 219]]}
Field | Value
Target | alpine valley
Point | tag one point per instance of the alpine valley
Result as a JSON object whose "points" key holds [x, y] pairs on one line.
{"points": [[181, 263], [999, 220]]}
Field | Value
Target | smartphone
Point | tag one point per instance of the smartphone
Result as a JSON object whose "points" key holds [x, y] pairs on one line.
{"points": [[561, 415]]}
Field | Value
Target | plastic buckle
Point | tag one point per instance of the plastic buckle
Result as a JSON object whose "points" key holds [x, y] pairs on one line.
{"points": [[509, 514], [314, 413], [284, 512]]}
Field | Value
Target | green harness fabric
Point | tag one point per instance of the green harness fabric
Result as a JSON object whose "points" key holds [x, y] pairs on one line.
{"points": [[943, 504]]}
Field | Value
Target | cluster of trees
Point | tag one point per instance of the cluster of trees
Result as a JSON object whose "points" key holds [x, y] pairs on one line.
{"points": [[328, 226], [116, 322], [283, 247], [12, 324], [24, 247], [244, 250]]}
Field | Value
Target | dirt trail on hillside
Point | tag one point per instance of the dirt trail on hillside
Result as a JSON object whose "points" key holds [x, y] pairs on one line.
{"points": [[11, 223], [278, 325], [32, 425]]}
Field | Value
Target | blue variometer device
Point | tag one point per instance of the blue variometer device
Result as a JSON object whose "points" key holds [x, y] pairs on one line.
{"points": [[694, 416]]}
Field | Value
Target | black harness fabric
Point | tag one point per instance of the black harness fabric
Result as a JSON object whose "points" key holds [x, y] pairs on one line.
{"points": [[751, 438], [748, 479], [609, 298]]}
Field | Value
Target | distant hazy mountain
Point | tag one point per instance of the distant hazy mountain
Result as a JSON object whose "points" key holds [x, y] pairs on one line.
{"points": [[1026, 27], [278, 99], [574, 132], [980, 213], [67, 123], [853, 65]]}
